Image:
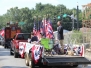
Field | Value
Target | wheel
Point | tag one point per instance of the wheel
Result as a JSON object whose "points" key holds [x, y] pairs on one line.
{"points": [[15, 54], [0, 43], [32, 64], [5, 46], [26, 59], [11, 51]]}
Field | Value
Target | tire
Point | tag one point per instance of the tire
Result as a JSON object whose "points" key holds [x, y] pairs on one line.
{"points": [[26, 59], [0, 43], [15, 54], [11, 51], [31, 62], [5, 46]]}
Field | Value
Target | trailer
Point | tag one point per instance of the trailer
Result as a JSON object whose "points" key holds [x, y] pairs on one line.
{"points": [[51, 60], [36, 55]]}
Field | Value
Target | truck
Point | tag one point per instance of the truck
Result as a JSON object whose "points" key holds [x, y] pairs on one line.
{"points": [[10, 30], [19, 37], [37, 58]]}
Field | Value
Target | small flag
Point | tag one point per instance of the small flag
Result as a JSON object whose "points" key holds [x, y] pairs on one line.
{"points": [[34, 29], [2, 33]]}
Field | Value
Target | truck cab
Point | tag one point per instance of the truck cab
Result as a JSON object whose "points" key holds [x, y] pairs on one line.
{"points": [[19, 37], [10, 32]]}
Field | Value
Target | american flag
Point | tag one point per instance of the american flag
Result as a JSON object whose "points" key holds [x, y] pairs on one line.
{"points": [[35, 29], [38, 31], [2, 33], [49, 29], [44, 26], [41, 28]]}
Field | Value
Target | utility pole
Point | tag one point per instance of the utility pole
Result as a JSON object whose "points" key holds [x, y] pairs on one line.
{"points": [[73, 21], [77, 16], [61, 14]]}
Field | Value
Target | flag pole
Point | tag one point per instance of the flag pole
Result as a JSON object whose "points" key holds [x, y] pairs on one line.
{"points": [[44, 25], [39, 22], [34, 18], [38, 32]]}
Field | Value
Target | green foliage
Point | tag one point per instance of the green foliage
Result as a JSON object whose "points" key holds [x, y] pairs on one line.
{"points": [[77, 37], [90, 16], [67, 25], [41, 10]]}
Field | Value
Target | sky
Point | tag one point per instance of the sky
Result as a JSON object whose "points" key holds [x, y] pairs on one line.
{"points": [[7, 4]]}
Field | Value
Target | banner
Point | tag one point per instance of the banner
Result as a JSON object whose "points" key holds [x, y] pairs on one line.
{"points": [[22, 46]]}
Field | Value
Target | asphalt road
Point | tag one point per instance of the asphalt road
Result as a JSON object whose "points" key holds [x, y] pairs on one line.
{"points": [[8, 61]]}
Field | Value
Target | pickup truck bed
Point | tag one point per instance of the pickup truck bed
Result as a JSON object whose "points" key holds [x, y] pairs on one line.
{"points": [[64, 60]]}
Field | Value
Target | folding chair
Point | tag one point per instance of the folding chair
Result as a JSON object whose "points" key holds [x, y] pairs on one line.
{"points": [[48, 45]]}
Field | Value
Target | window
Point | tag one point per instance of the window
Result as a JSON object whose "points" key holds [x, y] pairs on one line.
{"points": [[23, 37], [19, 37], [26, 36]]}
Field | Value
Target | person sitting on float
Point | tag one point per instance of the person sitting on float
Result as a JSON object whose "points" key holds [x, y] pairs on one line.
{"points": [[33, 38]]}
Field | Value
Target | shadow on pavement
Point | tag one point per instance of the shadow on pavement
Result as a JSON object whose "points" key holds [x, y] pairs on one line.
{"points": [[2, 59], [64, 67], [13, 67], [89, 66], [59, 67], [4, 53], [28, 67], [3, 49]]}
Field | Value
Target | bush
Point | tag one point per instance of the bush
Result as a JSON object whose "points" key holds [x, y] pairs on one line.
{"points": [[76, 37]]}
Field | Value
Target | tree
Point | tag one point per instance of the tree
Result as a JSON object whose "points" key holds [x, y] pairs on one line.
{"points": [[2, 22], [41, 10]]}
